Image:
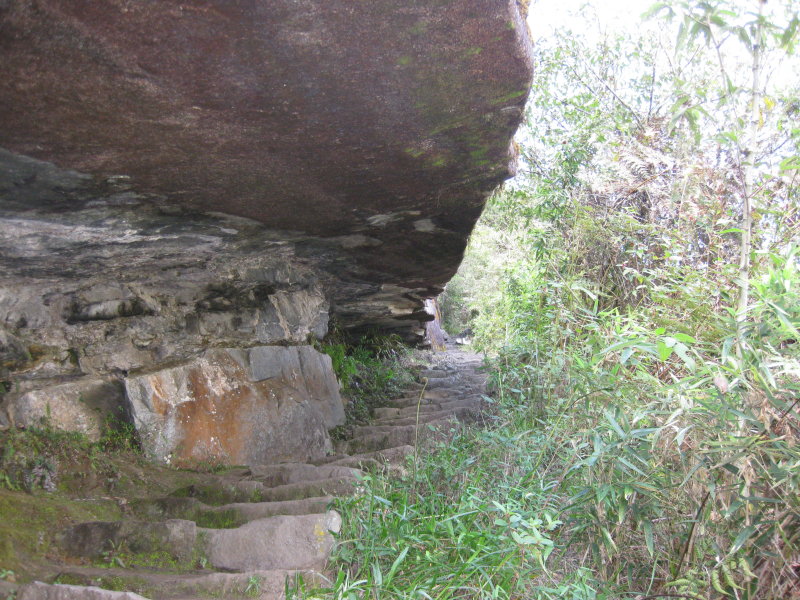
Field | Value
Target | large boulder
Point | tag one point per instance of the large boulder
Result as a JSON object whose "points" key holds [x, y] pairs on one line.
{"points": [[236, 406], [372, 131], [182, 176]]}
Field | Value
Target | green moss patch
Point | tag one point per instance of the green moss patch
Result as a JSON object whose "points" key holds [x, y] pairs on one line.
{"points": [[30, 524]]}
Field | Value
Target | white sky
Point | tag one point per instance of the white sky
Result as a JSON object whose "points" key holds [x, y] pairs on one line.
{"points": [[544, 15], [595, 18]]}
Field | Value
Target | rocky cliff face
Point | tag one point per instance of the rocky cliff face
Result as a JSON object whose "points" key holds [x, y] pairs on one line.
{"points": [[185, 184]]}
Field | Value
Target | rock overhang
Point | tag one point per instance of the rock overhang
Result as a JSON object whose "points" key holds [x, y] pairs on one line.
{"points": [[365, 135]]}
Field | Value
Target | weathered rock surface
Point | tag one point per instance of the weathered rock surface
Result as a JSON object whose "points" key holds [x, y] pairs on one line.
{"points": [[264, 405], [44, 591], [119, 285], [255, 584], [288, 542], [174, 537], [358, 140], [288, 473], [237, 513], [327, 117], [303, 368], [86, 406]]}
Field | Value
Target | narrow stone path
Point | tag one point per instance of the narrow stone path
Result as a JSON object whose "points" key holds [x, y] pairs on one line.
{"points": [[250, 532]]}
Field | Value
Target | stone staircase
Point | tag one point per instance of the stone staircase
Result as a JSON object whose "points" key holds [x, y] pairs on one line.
{"points": [[255, 532]]}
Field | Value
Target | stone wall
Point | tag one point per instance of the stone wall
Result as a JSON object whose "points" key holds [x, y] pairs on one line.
{"points": [[194, 327]]}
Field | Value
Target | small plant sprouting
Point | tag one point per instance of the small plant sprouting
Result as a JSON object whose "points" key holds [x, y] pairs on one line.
{"points": [[113, 556], [253, 588]]}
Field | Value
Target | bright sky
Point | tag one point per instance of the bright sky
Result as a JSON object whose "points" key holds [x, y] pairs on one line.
{"points": [[615, 14], [622, 15], [544, 15]]}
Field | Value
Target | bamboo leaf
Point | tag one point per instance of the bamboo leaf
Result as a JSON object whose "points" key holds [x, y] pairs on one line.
{"points": [[682, 337], [742, 538], [647, 526], [664, 351], [741, 33], [609, 540], [377, 576], [625, 355], [630, 465], [789, 33], [656, 8], [396, 565], [682, 351], [610, 418]]}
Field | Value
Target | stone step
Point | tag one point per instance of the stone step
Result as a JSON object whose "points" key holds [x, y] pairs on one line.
{"points": [[219, 493], [260, 584], [464, 414], [414, 387], [282, 542], [394, 456], [279, 542], [385, 412], [364, 464], [256, 491], [435, 373], [457, 384], [429, 419], [407, 401], [380, 437], [227, 515], [452, 381], [38, 590], [447, 395], [391, 412], [398, 436], [379, 459], [343, 486], [369, 430], [433, 400], [259, 510], [288, 473], [428, 407], [173, 538], [161, 585], [474, 377]]}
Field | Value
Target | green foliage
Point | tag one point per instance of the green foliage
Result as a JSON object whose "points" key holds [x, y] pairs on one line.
{"points": [[442, 532], [609, 293], [253, 587], [671, 457], [31, 457], [218, 519], [114, 556], [119, 436], [369, 371]]}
